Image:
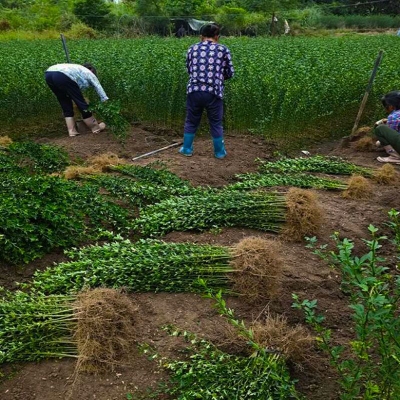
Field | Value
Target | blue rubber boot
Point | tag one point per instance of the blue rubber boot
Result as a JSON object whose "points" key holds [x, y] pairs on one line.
{"points": [[219, 147], [187, 148]]}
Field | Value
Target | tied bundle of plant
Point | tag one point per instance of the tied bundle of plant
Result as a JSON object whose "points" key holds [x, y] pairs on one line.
{"points": [[105, 329], [110, 113], [34, 326], [326, 165], [303, 216], [96, 327], [39, 213], [365, 144], [251, 269], [258, 268], [207, 209], [358, 188], [257, 180], [136, 192], [155, 174], [144, 266], [387, 174]]}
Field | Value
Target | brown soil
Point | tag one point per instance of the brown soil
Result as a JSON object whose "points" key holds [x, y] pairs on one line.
{"points": [[303, 273]]}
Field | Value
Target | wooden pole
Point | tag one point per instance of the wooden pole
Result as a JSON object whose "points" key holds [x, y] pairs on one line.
{"points": [[64, 43], [367, 91]]}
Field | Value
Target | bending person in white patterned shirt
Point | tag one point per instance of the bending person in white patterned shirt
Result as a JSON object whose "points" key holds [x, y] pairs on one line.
{"points": [[67, 82]]}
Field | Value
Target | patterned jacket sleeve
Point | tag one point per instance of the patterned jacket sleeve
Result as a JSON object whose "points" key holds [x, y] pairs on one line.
{"points": [[92, 78], [394, 120], [228, 70]]}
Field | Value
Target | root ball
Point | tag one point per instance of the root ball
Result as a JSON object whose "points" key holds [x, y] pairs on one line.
{"points": [[387, 174], [358, 188], [105, 332], [259, 266], [303, 216]]}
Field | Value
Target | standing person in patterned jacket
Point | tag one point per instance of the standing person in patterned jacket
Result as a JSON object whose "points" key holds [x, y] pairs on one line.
{"points": [[209, 64], [66, 81]]}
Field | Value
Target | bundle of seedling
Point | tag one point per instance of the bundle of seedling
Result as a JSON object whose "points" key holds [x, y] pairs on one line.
{"points": [[208, 209], [320, 164], [96, 327], [30, 157], [134, 192], [257, 180], [39, 213], [155, 174], [250, 269]]}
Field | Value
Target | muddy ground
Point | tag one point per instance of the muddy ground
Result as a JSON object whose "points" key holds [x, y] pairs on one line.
{"points": [[304, 273]]}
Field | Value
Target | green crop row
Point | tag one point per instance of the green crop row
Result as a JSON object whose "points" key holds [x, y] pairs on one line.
{"points": [[278, 81]]}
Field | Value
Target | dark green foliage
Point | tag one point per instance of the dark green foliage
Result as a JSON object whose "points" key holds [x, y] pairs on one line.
{"points": [[256, 180], [94, 13], [34, 326], [145, 266], [39, 157], [322, 164], [143, 185], [208, 209], [155, 176], [40, 213], [210, 373], [110, 113], [33, 157]]}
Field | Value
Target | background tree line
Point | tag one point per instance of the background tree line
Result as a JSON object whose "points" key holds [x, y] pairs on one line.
{"points": [[251, 17]]}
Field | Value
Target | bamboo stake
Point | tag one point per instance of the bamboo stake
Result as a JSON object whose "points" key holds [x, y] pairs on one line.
{"points": [[367, 91]]}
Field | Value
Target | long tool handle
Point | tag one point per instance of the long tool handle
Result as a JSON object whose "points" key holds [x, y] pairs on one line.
{"points": [[157, 151], [368, 89], [64, 43]]}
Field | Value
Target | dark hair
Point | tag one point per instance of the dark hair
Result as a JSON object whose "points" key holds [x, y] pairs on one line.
{"points": [[392, 99], [210, 30], [90, 67]]}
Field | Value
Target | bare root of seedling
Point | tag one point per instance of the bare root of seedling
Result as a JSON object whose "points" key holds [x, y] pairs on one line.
{"points": [[103, 162], [387, 174], [75, 172], [304, 214], [365, 144], [260, 268], [295, 343], [105, 331], [358, 188]]}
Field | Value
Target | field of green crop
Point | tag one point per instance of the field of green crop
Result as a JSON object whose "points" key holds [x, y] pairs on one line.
{"points": [[278, 81]]}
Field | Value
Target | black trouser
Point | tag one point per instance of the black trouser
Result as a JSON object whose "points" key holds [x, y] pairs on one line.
{"points": [[388, 136], [66, 91]]}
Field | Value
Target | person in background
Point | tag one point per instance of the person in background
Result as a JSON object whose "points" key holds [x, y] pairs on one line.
{"points": [[387, 130], [181, 32], [209, 64], [67, 82]]}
